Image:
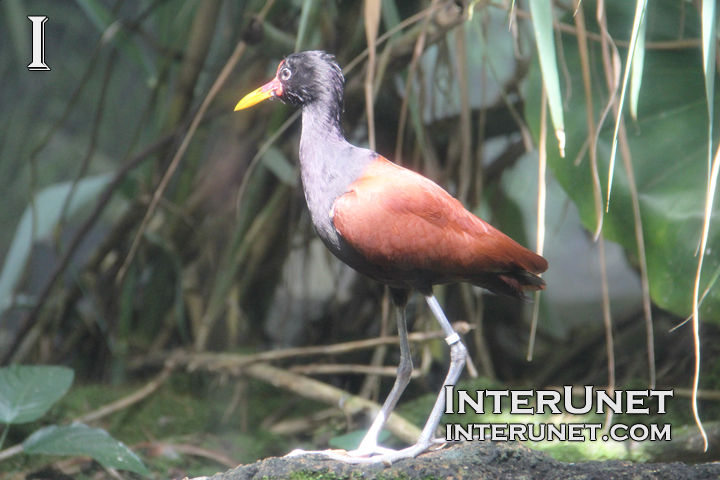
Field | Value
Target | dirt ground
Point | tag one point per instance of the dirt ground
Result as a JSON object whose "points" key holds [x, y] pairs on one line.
{"points": [[476, 460]]}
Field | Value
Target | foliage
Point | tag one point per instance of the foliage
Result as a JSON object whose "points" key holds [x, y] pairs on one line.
{"points": [[28, 392], [41, 220], [78, 439], [668, 144], [137, 110]]}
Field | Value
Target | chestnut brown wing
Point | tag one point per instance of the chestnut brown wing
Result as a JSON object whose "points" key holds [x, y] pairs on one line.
{"points": [[397, 218]]}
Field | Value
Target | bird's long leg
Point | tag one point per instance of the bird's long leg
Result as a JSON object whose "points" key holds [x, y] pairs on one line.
{"points": [[369, 444], [457, 363], [458, 353]]}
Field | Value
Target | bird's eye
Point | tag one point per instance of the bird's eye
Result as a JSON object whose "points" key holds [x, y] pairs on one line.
{"points": [[285, 74]]}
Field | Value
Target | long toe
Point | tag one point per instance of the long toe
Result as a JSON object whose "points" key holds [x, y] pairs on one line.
{"points": [[387, 458], [346, 456], [382, 455], [370, 450], [298, 452]]}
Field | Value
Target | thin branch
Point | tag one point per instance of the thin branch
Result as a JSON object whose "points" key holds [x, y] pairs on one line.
{"points": [[466, 164], [10, 452], [607, 320], [590, 117], [540, 240], [612, 79], [371, 385], [293, 426], [417, 53], [642, 258], [696, 291], [385, 36], [94, 134], [187, 449], [680, 44], [613, 83], [235, 362], [333, 369], [324, 393], [130, 400], [372, 23]]}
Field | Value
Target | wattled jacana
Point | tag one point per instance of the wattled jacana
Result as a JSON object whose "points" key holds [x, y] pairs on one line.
{"points": [[393, 225]]}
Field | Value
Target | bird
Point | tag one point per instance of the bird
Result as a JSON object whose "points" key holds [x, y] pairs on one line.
{"points": [[393, 225]]}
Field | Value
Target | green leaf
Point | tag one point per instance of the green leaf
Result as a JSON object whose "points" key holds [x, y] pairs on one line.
{"points": [[27, 393], [669, 156], [638, 62], [709, 26], [48, 207], [79, 439], [542, 15], [636, 30]]}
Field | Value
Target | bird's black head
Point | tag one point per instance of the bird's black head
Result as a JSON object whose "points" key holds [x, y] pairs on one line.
{"points": [[307, 77], [303, 79]]}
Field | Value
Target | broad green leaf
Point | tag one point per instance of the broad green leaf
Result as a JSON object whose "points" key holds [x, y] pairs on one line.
{"points": [[79, 439], [48, 207], [542, 15], [669, 155], [27, 392]]}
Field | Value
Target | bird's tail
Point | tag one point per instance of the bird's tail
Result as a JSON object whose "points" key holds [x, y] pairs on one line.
{"points": [[511, 284]]}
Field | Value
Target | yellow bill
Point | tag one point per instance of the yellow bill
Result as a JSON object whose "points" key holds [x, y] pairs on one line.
{"points": [[270, 89]]}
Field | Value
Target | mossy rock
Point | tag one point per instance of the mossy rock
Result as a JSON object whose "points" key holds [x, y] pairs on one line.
{"points": [[476, 460]]}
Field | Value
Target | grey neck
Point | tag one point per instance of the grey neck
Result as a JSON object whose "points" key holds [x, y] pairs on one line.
{"points": [[328, 164], [321, 134]]}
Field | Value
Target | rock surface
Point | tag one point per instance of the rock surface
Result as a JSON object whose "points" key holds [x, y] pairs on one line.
{"points": [[476, 460]]}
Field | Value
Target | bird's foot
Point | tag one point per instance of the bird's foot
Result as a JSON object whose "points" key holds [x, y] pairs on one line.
{"points": [[368, 450], [371, 454]]}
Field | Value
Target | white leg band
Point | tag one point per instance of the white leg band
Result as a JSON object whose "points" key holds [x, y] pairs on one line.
{"points": [[454, 338]]}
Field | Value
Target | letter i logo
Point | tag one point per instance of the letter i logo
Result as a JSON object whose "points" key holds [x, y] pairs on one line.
{"points": [[38, 42]]}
